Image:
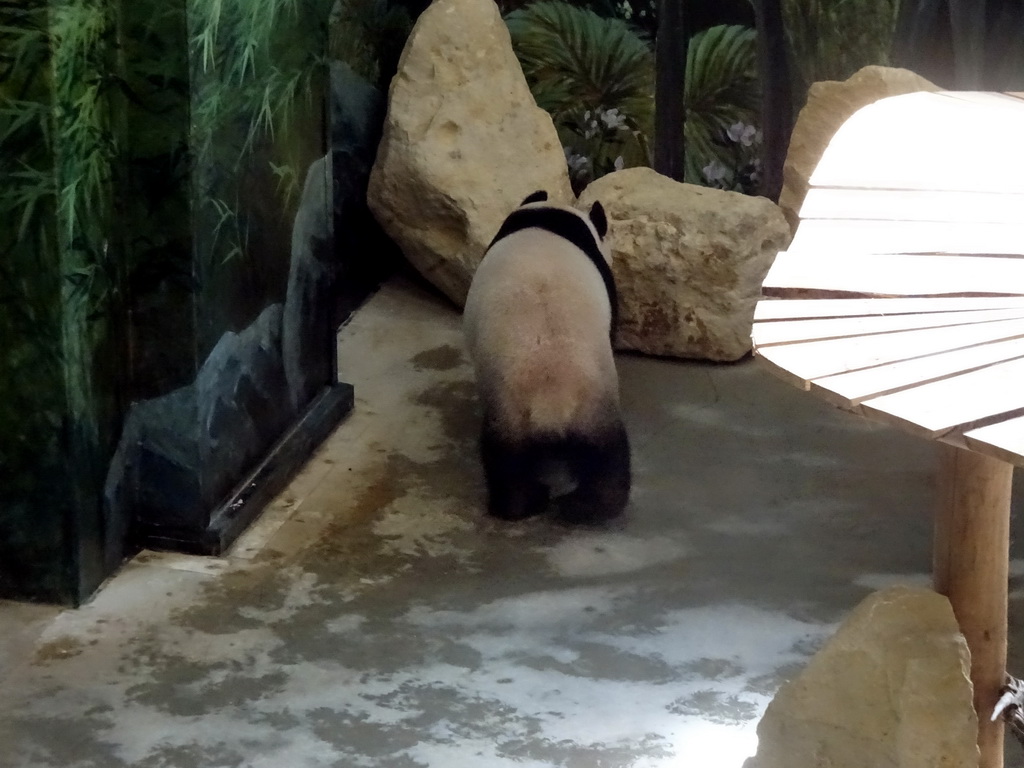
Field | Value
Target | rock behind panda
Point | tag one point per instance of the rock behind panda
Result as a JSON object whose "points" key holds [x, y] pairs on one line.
{"points": [[538, 322]]}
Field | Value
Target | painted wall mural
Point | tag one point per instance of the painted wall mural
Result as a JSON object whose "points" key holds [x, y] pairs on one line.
{"points": [[182, 205]]}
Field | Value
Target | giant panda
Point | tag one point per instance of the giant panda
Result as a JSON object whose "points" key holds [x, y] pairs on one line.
{"points": [[538, 323]]}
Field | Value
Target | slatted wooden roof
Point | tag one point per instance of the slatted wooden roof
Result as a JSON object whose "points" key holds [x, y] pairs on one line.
{"points": [[901, 296]]}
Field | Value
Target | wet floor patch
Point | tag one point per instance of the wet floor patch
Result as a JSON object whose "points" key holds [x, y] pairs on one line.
{"points": [[443, 358]]}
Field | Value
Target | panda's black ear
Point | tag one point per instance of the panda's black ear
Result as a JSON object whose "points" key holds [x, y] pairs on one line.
{"points": [[598, 219], [537, 197]]}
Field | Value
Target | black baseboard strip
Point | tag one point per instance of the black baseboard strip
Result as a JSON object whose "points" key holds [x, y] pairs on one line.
{"points": [[263, 484]]}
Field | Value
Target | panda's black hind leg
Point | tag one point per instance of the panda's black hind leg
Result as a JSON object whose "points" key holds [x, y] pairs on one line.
{"points": [[601, 465], [513, 489]]}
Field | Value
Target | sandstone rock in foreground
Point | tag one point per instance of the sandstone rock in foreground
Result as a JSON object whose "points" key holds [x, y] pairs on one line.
{"points": [[890, 690], [464, 142], [688, 260]]}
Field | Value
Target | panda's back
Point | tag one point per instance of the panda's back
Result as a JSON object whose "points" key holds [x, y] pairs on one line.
{"points": [[537, 323]]}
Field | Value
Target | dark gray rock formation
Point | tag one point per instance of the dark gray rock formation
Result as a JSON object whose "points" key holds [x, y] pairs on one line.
{"points": [[357, 114], [308, 333], [181, 453], [242, 402]]}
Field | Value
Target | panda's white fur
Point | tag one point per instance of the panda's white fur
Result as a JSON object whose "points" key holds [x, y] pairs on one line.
{"points": [[537, 324]]}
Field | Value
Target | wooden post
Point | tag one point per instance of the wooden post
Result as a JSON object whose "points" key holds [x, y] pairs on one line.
{"points": [[971, 560]]}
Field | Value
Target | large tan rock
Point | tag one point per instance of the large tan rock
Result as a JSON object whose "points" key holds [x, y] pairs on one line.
{"points": [[464, 142], [830, 104], [688, 261], [889, 690]]}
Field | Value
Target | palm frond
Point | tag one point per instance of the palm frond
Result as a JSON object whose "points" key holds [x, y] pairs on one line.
{"points": [[722, 88], [574, 58], [595, 77]]}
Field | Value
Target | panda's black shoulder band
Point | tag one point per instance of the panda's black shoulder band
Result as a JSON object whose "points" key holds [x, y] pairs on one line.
{"points": [[571, 227]]}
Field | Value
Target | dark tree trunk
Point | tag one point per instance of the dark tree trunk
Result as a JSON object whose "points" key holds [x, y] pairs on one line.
{"points": [[917, 25], [923, 42], [669, 106], [777, 95], [963, 44], [967, 21], [1004, 43]]}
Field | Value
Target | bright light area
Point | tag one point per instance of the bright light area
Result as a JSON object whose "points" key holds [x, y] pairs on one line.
{"points": [[709, 745]]}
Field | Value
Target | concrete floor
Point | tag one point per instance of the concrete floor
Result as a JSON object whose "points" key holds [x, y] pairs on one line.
{"points": [[374, 616]]}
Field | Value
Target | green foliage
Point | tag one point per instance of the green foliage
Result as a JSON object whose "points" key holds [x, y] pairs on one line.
{"points": [[255, 62], [574, 58], [595, 76], [722, 89], [832, 39], [258, 71], [24, 120], [53, 87], [369, 35], [56, 151], [598, 142], [85, 144], [28, 191], [252, 61]]}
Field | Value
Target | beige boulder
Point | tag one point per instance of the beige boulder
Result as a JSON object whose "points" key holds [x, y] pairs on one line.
{"points": [[890, 690], [688, 262], [830, 104], [464, 142]]}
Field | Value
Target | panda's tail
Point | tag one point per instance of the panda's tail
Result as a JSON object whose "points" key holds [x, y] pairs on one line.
{"points": [[556, 473], [589, 473]]}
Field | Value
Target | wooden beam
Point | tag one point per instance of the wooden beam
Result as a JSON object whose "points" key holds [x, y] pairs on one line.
{"points": [[856, 386], [817, 359], [806, 309], [851, 238], [794, 272], [970, 567], [959, 403], [913, 205], [1004, 440], [796, 331]]}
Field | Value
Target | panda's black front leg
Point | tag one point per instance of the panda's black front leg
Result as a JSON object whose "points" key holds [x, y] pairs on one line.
{"points": [[513, 490]]}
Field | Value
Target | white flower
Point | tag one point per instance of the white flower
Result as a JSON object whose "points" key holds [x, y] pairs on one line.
{"points": [[619, 163], [577, 163], [715, 171], [742, 134], [613, 119]]}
